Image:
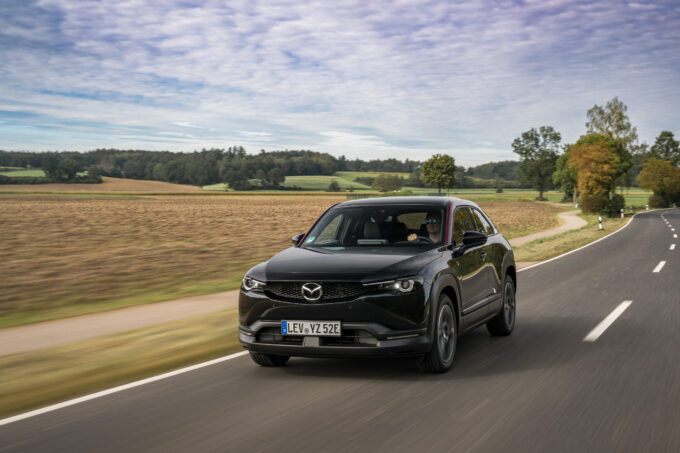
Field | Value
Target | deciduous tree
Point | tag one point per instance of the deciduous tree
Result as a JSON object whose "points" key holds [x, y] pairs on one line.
{"points": [[538, 151], [663, 178], [666, 147], [439, 171], [387, 183]]}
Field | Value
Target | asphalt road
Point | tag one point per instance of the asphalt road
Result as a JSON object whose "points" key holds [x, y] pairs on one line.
{"points": [[542, 389]]}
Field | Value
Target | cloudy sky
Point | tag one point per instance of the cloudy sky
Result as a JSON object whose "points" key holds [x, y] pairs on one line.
{"points": [[373, 79]]}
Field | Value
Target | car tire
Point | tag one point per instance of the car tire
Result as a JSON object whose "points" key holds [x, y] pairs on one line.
{"points": [[269, 359], [504, 322], [440, 357]]}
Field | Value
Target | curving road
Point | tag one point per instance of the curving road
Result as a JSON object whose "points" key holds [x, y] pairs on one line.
{"points": [[542, 389]]}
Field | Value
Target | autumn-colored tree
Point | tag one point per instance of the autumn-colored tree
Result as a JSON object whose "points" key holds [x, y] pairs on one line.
{"points": [[596, 166], [663, 178]]}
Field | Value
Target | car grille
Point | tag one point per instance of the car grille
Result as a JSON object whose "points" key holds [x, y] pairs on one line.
{"points": [[332, 291], [350, 337]]}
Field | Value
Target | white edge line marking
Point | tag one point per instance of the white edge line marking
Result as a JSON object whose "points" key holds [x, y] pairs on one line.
{"points": [[582, 247], [606, 322], [120, 388], [675, 236], [659, 266], [672, 247]]}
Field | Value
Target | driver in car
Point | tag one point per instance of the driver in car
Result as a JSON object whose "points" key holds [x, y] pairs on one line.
{"points": [[433, 225]]}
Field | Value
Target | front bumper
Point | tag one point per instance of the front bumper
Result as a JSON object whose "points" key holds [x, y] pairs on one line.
{"points": [[372, 325], [357, 340]]}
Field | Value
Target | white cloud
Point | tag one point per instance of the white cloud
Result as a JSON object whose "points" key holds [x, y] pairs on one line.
{"points": [[398, 79]]}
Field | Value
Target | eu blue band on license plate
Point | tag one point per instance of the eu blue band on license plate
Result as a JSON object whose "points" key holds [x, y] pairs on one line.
{"points": [[312, 328]]}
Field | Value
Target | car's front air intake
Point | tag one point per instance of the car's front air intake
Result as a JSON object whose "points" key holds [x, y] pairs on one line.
{"points": [[330, 291]]}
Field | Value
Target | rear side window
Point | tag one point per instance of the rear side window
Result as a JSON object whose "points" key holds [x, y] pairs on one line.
{"points": [[481, 222]]}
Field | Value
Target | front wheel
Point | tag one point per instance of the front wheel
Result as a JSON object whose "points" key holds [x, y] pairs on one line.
{"points": [[504, 322], [269, 359], [440, 357]]}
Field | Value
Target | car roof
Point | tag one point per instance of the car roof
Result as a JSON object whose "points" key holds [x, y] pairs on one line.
{"points": [[419, 200]]}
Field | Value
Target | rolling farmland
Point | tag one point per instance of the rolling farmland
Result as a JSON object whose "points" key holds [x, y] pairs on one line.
{"points": [[65, 255]]}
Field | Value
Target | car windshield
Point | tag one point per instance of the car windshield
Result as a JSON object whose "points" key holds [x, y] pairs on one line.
{"points": [[406, 229]]}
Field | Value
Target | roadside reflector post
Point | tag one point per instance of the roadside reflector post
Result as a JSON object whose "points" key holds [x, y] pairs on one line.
{"points": [[631, 209], [599, 223], [646, 207], [621, 212], [576, 204]]}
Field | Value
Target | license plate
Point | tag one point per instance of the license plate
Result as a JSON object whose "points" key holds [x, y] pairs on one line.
{"points": [[314, 328]]}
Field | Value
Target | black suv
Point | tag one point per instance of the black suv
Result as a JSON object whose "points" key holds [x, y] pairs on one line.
{"points": [[401, 276]]}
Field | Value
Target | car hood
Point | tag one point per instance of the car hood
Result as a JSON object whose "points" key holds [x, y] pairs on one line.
{"points": [[298, 264]]}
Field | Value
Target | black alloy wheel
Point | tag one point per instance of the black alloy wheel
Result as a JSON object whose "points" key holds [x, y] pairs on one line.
{"points": [[440, 358], [504, 323]]}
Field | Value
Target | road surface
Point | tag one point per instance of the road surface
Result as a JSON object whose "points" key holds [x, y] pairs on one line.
{"points": [[542, 389]]}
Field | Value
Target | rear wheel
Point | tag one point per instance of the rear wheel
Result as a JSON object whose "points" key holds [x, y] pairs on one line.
{"points": [[269, 359], [504, 322], [440, 357]]}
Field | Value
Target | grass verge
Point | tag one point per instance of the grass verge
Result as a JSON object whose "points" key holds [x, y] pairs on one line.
{"points": [[36, 379], [546, 248]]}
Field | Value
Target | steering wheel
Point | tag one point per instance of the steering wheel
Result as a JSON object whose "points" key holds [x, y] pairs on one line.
{"points": [[425, 239]]}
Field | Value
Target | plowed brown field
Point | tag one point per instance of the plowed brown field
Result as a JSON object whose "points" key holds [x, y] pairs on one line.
{"points": [[67, 255], [109, 185]]}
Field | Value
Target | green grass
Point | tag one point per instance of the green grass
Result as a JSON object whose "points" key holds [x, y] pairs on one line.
{"points": [[546, 248], [38, 378], [221, 187], [321, 182], [141, 296], [352, 175], [17, 173]]}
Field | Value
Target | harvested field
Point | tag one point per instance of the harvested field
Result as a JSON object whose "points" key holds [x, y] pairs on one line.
{"points": [[109, 185], [67, 255]]}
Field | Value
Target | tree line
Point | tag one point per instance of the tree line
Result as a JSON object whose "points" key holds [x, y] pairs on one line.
{"points": [[240, 170], [607, 156]]}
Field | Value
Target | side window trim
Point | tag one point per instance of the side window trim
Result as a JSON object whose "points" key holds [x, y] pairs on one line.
{"points": [[485, 217]]}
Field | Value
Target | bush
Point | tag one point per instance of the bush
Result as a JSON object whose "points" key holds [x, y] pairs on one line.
{"points": [[657, 201], [613, 207], [333, 186], [593, 203], [601, 204], [24, 180], [499, 190], [365, 180]]}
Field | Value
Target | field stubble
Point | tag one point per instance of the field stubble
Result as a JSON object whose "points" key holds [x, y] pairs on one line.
{"points": [[66, 255]]}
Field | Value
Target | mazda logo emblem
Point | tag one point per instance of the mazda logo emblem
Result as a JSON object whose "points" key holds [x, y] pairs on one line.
{"points": [[312, 291]]}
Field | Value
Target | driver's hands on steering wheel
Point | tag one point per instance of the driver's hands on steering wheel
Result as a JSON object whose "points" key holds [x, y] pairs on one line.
{"points": [[412, 237]]}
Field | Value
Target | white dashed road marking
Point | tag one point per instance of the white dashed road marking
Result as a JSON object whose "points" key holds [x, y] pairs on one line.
{"points": [[659, 266], [606, 322], [672, 247]]}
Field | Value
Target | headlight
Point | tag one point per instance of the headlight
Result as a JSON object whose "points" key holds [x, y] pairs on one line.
{"points": [[250, 284], [403, 285]]}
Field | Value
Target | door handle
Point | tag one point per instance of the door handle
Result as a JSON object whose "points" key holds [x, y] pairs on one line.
{"points": [[483, 256]]}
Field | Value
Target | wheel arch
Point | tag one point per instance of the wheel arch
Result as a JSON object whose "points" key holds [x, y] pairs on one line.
{"points": [[445, 284], [512, 273]]}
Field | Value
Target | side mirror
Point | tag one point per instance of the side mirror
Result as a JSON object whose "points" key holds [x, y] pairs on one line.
{"points": [[473, 238], [295, 240]]}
